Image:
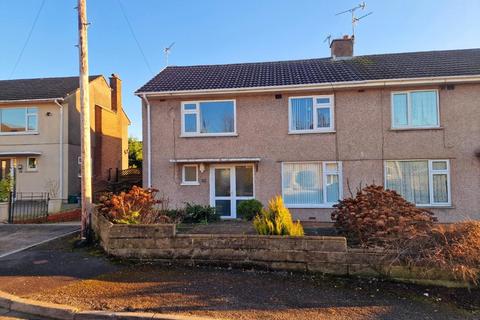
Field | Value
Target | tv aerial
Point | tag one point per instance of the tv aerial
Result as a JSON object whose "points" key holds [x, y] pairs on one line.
{"points": [[328, 39], [355, 19], [167, 52]]}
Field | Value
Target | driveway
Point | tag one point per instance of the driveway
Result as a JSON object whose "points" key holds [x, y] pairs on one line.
{"points": [[16, 238]]}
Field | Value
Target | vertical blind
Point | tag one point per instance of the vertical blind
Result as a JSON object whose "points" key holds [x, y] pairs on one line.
{"points": [[302, 183], [308, 183], [302, 113]]}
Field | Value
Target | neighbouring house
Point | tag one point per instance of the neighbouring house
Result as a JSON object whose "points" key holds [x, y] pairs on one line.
{"points": [[315, 130], [40, 133]]}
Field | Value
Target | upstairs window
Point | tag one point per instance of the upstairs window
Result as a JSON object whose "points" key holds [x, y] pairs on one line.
{"points": [[18, 120], [208, 118], [415, 109], [311, 114]]}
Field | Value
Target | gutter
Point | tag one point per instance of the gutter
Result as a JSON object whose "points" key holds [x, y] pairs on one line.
{"points": [[149, 143], [60, 143], [30, 100], [320, 86]]}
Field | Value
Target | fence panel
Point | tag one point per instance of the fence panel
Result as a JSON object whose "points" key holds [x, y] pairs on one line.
{"points": [[28, 207]]}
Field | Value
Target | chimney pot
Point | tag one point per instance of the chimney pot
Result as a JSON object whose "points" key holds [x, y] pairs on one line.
{"points": [[342, 48]]}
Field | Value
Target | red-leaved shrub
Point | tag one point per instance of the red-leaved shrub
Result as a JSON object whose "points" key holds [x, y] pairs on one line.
{"points": [[135, 206], [376, 216]]}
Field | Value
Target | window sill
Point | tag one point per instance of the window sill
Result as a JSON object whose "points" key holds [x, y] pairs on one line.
{"points": [[312, 132], [310, 206], [190, 183], [18, 133], [208, 135], [415, 129], [438, 206], [31, 171]]}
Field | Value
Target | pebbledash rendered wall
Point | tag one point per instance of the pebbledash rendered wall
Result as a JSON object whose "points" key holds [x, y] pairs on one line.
{"points": [[363, 140]]}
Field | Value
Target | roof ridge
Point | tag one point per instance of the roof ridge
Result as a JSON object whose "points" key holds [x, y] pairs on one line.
{"points": [[51, 78], [317, 59]]}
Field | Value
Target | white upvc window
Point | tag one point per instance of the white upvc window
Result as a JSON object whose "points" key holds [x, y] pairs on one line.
{"points": [[23, 120], [422, 182], [190, 174], [415, 109], [312, 184], [311, 114], [208, 118], [32, 164]]}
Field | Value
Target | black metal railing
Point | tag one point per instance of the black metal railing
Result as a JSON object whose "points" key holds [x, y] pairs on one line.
{"points": [[28, 207]]}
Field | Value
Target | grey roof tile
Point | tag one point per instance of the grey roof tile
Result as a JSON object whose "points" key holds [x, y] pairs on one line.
{"points": [[316, 71], [39, 88]]}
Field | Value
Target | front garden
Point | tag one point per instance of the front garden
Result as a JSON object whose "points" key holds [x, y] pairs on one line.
{"points": [[386, 235]]}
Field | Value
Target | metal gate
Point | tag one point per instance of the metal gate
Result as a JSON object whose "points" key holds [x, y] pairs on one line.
{"points": [[28, 207]]}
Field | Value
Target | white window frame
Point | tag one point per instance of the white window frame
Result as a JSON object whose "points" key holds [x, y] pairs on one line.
{"points": [[409, 110], [27, 115], [197, 113], [36, 166], [190, 183], [327, 205], [330, 105], [431, 173], [233, 187]]}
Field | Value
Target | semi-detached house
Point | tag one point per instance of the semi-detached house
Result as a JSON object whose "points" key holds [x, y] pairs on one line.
{"points": [[40, 133], [314, 130]]}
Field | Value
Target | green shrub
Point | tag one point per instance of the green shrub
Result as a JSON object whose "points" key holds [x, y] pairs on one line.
{"points": [[248, 209], [176, 215], [195, 213], [277, 220], [5, 188]]}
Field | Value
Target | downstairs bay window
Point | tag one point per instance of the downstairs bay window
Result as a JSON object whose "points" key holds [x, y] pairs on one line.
{"points": [[311, 184], [422, 182]]}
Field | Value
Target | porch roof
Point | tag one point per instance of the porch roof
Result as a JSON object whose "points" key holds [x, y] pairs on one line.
{"points": [[20, 153], [215, 160]]}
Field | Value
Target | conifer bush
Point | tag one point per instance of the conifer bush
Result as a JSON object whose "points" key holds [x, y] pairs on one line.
{"points": [[277, 220]]}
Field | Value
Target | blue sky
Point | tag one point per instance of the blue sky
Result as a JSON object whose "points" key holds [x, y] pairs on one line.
{"points": [[215, 31]]}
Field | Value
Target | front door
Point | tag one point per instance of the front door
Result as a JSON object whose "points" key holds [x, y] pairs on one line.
{"points": [[5, 168], [230, 185]]}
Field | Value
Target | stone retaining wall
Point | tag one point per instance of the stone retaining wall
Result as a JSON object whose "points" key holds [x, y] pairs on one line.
{"points": [[310, 253]]}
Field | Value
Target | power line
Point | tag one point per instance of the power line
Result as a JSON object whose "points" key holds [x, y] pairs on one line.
{"points": [[134, 37], [28, 39]]}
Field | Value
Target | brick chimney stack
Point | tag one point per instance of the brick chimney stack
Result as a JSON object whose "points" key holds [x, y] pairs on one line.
{"points": [[116, 86], [342, 48]]}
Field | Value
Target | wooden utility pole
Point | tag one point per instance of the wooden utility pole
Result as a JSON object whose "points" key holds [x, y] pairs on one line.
{"points": [[86, 165]]}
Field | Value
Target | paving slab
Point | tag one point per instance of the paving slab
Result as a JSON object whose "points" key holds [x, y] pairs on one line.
{"points": [[17, 237]]}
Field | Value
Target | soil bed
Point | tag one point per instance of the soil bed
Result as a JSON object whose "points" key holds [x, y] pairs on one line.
{"points": [[246, 227]]}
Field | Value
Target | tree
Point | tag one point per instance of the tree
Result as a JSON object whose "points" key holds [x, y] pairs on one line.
{"points": [[135, 155]]}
